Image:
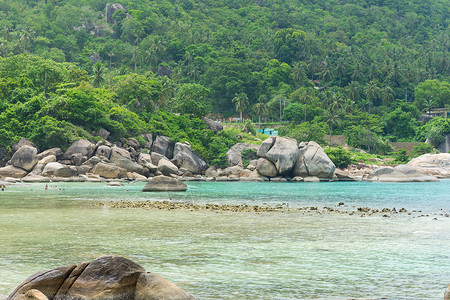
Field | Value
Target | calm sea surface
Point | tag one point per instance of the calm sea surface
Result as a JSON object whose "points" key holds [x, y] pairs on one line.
{"points": [[225, 255]]}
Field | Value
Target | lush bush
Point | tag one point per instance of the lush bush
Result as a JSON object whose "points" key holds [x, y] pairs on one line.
{"points": [[247, 156], [434, 131], [401, 156], [339, 156], [305, 132], [249, 127], [422, 148], [360, 137]]}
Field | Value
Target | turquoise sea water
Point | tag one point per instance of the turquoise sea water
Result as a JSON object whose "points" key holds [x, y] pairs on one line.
{"points": [[229, 255]]}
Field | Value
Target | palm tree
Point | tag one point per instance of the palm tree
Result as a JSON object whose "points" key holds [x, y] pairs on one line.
{"points": [[429, 104], [305, 98], [98, 78], [340, 70], [387, 95], [371, 91], [357, 73], [240, 101], [298, 72], [333, 117], [353, 91], [261, 108], [326, 72]]}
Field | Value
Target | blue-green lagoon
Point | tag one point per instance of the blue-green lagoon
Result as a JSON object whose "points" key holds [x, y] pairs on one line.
{"points": [[235, 255]]}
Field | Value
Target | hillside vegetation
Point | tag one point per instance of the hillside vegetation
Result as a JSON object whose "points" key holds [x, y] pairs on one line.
{"points": [[363, 68]]}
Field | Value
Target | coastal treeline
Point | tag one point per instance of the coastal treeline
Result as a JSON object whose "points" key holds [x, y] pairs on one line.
{"points": [[366, 69]]}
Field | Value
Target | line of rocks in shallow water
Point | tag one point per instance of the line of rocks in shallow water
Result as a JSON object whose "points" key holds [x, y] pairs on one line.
{"points": [[340, 208]]}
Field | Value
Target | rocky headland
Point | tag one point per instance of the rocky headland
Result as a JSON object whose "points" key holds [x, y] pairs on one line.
{"points": [[277, 159]]}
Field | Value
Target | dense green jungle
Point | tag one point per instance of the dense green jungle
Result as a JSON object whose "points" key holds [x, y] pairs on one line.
{"points": [[367, 69]]}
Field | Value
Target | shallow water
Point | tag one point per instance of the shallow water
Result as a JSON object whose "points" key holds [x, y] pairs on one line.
{"points": [[240, 255]]}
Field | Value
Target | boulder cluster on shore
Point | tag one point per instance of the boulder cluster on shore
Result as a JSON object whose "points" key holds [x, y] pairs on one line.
{"points": [[278, 159]]}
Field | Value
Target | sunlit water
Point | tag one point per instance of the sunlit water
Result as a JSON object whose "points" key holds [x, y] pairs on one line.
{"points": [[240, 255]]}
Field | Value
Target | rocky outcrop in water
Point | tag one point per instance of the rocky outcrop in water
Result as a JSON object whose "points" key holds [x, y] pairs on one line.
{"points": [[164, 184], [105, 278], [291, 159]]}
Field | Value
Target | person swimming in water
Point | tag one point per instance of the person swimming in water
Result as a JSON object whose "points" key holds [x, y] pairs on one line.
{"points": [[3, 187]]}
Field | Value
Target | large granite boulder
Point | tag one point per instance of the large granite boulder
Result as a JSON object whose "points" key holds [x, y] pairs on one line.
{"points": [[166, 167], [110, 9], [58, 170], [163, 184], [22, 142], [105, 278], [103, 151], [25, 157], [163, 146], [108, 170], [266, 168], [10, 171], [39, 168], [283, 154], [340, 175], [53, 151], [312, 161], [146, 160], [184, 157], [152, 286], [265, 146], [432, 164], [117, 153], [130, 165], [132, 142], [234, 154], [401, 173], [84, 147], [213, 125]]}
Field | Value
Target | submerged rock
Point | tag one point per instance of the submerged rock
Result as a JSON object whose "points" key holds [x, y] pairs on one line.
{"points": [[164, 183], [105, 278]]}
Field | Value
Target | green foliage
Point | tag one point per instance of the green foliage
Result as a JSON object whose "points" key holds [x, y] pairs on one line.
{"points": [[339, 156], [422, 148], [401, 125], [359, 55], [247, 156], [305, 132], [361, 137], [191, 98], [434, 131], [435, 90], [138, 93], [250, 127], [401, 156]]}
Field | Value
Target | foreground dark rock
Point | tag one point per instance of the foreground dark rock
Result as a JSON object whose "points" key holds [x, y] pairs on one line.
{"points": [[105, 278], [164, 183]]}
